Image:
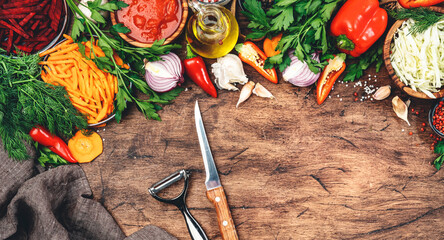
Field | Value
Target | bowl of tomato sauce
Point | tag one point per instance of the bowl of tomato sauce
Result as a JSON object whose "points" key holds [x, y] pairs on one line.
{"points": [[151, 20]]}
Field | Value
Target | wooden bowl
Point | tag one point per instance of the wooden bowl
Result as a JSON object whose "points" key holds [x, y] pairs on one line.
{"points": [[391, 71], [168, 40]]}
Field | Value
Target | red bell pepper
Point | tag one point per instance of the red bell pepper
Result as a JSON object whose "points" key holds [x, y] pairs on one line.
{"points": [[197, 71], [357, 25], [328, 77], [418, 3], [54, 143], [253, 56]]}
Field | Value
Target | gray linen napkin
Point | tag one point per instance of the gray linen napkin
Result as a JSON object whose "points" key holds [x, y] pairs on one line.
{"points": [[55, 204]]}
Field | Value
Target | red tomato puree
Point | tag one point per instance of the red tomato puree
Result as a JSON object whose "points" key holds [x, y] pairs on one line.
{"points": [[150, 20]]}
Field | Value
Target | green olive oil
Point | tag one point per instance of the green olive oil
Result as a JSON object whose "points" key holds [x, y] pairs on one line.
{"points": [[212, 31]]}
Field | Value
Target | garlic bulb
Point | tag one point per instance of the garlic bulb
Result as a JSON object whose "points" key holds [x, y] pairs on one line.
{"points": [[400, 108], [228, 70]]}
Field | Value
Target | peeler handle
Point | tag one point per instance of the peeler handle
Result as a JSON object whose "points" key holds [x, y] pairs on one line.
{"points": [[193, 226]]}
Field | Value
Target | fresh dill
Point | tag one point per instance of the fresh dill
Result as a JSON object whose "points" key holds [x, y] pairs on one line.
{"points": [[26, 101], [423, 17]]}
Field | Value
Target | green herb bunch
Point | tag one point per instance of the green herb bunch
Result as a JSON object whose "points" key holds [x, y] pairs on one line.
{"points": [[26, 101], [130, 55], [439, 148], [424, 17], [303, 24]]}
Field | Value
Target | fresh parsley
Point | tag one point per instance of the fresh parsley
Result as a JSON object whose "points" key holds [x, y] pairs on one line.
{"points": [[48, 158], [304, 24], [372, 55], [439, 149], [132, 56]]}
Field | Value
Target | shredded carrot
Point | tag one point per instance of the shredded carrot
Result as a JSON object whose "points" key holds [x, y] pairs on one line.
{"points": [[91, 90]]}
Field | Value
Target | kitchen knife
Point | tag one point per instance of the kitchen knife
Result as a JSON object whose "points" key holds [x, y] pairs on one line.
{"points": [[215, 191]]}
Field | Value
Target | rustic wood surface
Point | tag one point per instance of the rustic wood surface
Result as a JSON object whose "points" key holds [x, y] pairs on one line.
{"points": [[291, 169]]}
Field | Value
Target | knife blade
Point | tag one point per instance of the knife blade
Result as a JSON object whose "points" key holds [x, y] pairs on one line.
{"points": [[215, 191]]}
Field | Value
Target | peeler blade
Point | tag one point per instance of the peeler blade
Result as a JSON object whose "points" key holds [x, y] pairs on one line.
{"points": [[212, 177]]}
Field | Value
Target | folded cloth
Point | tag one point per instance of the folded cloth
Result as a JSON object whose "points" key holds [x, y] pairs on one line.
{"points": [[55, 204]]}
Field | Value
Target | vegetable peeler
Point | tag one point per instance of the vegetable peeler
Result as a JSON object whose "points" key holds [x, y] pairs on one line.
{"points": [[196, 232]]}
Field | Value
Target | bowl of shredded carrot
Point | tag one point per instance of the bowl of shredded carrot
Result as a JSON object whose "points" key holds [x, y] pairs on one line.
{"points": [[91, 90]]}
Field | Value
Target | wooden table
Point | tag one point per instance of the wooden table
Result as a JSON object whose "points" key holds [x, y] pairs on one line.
{"points": [[292, 169]]}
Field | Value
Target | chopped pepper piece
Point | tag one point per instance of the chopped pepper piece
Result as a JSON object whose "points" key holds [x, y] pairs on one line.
{"points": [[418, 3], [250, 54], [328, 78], [358, 25]]}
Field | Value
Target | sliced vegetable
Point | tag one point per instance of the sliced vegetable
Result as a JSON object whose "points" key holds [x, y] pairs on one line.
{"points": [[358, 25], [253, 56], [86, 148], [299, 73], [54, 143], [332, 71], [29, 25], [165, 74], [418, 3], [195, 69], [91, 90], [228, 70], [418, 58], [271, 44]]}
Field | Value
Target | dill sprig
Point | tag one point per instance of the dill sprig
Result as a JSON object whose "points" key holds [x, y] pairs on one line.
{"points": [[423, 17], [26, 101]]}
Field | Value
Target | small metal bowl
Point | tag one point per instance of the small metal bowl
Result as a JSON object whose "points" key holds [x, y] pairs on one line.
{"points": [[431, 114], [63, 27]]}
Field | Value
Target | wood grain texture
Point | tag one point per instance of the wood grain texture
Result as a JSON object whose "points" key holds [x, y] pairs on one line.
{"points": [[224, 219], [291, 169]]}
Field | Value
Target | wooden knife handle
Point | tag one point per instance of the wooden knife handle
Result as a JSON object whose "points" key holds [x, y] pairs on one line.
{"points": [[226, 224]]}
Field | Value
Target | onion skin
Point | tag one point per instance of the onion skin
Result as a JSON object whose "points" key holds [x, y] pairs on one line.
{"points": [[298, 72], [165, 74]]}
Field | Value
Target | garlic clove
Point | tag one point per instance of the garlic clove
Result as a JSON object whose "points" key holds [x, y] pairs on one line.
{"points": [[245, 92], [382, 93], [400, 109], [261, 91]]}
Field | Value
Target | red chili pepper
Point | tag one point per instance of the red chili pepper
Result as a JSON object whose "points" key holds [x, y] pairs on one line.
{"points": [[253, 56], [197, 71], [418, 3], [358, 25], [54, 143], [328, 78]]}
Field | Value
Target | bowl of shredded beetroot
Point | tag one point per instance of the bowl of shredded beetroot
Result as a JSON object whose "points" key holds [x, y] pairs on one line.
{"points": [[31, 26]]}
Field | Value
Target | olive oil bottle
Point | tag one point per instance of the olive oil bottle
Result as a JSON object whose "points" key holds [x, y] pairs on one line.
{"points": [[212, 31]]}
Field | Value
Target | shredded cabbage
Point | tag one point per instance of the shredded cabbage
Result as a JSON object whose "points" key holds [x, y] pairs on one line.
{"points": [[418, 59]]}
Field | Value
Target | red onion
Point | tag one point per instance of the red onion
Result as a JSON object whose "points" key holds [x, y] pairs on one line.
{"points": [[298, 72], [162, 76]]}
